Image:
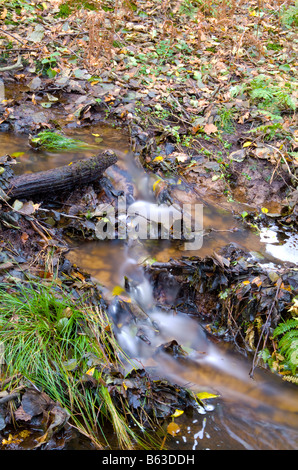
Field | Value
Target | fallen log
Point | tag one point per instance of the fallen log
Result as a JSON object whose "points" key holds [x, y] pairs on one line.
{"points": [[64, 178]]}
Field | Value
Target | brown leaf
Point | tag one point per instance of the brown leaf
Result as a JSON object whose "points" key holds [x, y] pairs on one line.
{"points": [[210, 129], [173, 429], [24, 237], [21, 415]]}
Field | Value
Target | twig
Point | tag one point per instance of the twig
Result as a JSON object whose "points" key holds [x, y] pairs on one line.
{"points": [[9, 397], [255, 359], [38, 231], [284, 159], [17, 65], [12, 36], [275, 169]]}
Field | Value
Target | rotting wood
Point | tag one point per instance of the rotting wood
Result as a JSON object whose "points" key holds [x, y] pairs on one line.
{"points": [[64, 178]]}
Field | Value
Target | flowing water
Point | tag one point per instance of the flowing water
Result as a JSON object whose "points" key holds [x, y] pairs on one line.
{"points": [[259, 413]]}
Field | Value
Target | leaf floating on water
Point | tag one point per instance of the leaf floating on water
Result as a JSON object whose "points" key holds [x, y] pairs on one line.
{"points": [[118, 290], [173, 429], [17, 154], [177, 413], [206, 395]]}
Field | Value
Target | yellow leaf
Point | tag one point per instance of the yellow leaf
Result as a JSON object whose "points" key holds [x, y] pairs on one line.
{"points": [[67, 312], [7, 441], [3, 14], [118, 290], [90, 371], [173, 429], [177, 413], [205, 395], [246, 144], [155, 184], [24, 434]]}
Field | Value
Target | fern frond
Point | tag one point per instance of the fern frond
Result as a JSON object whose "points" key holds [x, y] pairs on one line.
{"points": [[282, 328], [290, 378], [289, 336]]}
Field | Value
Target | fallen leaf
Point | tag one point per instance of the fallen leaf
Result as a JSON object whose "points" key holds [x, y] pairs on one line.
{"points": [[118, 290], [24, 237], [177, 413], [90, 371], [21, 415], [206, 395], [156, 184], [173, 429], [210, 129]]}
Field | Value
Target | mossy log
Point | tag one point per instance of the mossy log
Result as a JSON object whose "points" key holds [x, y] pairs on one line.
{"points": [[64, 178]]}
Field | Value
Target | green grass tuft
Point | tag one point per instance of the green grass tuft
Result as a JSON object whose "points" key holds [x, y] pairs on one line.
{"points": [[53, 342]]}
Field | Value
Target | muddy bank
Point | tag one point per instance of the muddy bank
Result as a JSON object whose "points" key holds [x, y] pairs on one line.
{"points": [[232, 292]]}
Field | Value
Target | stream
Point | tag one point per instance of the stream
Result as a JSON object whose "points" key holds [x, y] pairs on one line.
{"points": [[259, 413]]}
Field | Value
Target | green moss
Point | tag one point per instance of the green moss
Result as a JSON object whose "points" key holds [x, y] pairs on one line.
{"points": [[54, 141]]}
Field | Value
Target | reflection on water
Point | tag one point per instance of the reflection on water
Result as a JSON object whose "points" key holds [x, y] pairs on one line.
{"points": [[250, 414], [285, 249]]}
